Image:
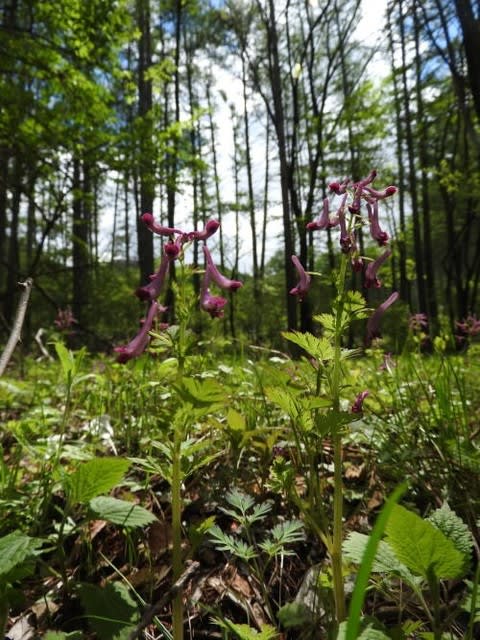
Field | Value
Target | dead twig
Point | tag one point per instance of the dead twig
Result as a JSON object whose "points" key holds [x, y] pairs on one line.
{"points": [[167, 597], [17, 325]]}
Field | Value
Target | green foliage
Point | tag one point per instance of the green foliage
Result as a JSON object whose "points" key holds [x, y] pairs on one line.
{"points": [[16, 549], [245, 632], [120, 512], [422, 547], [318, 348], [95, 477], [110, 610], [453, 528]]}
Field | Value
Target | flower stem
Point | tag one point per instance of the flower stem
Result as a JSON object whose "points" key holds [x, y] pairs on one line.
{"points": [[177, 535], [337, 538]]}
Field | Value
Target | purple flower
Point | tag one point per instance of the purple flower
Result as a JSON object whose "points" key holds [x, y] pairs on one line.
{"points": [[375, 195], [324, 221], [358, 193], [149, 220], [222, 281], [211, 304], [371, 279], [418, 322], [373, 324], [347, 239], [65, 319], [376, 232], [210, 228], [357, 406], [138, 345], [339, 187], [303, 284], [469, 327], [152, 290]]}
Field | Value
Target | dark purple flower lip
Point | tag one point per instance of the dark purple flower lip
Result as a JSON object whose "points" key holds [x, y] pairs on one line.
{"points": [[373, 324], [357, 406], [139, 343], [303, 285]]}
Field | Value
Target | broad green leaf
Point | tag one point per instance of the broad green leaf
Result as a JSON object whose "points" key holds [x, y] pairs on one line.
{"points": [[111, 611], [421, 546], [294, 614], [318, 348], [95, 477], [367, 634], [121, 512], [235, 420], [385, 560], [16, 548], [67, 360]]}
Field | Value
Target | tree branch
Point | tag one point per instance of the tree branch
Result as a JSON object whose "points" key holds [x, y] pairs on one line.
{"points": [[17, 325]]}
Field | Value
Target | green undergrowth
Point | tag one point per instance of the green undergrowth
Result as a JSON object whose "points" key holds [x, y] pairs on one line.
{"points": [[85, 478]]}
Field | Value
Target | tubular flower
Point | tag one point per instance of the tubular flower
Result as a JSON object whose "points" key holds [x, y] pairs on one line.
{"points": [[303, 284], [375, 195], [376, 232], [357, 406], [152, 290], [373, 324], [211, 304], [324, 221], [222, 281], [358, 193], [210, 228], [154, 227], [347, 239], [138, 345], [339, 187], [371, 279]]}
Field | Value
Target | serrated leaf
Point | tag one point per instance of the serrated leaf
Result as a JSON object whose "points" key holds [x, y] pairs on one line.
{"points": [[385, 559], [111, 611], [95, 477], [226, 542], [121, 512], [454, 528], [245, 632], [15, 549], [203, 392], [421, 546], [318, 348], [327, 320]]}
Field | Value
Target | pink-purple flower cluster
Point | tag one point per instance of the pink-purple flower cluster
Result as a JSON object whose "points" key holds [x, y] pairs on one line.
{"points": [[150, 292], [359, 192]]}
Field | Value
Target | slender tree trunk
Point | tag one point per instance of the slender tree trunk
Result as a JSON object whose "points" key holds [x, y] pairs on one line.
{"points": [[216, 177], [145, 165], [471, 39], [412, 174], [251, 205], [13, 253], [278, 114], [79, 245], [400, 240], [431, 296]]}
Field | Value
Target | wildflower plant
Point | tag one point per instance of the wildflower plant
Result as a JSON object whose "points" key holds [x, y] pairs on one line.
{"points": [[180, 454], [328, 418]]}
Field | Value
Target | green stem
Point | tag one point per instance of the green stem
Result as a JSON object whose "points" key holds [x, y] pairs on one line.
{"points": [[337, 538], [177, 535], [4, 608], [434, 590]]}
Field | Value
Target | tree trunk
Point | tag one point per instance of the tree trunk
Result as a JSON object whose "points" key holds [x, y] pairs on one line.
{"points": [[145, 165]]}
